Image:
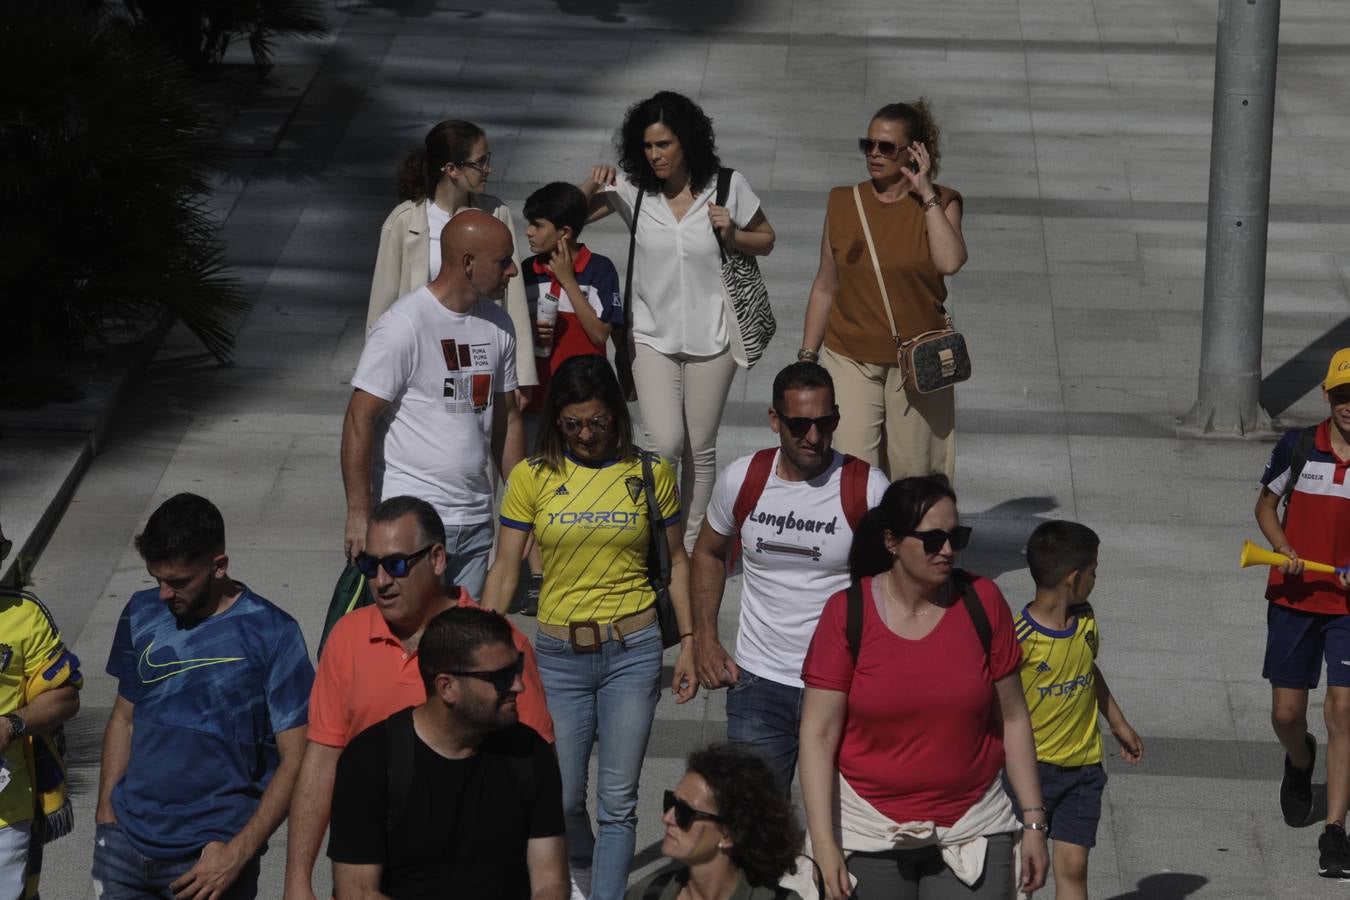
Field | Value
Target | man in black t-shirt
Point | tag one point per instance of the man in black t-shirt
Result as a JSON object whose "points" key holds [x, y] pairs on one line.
{"points": [[453, 798]]}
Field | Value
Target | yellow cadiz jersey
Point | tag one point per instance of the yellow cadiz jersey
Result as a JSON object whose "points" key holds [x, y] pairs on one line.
{"points": [[591, 525], [1058, 681], [32, 660]]}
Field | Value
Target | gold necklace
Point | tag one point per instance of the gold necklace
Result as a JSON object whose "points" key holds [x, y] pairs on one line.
{"points": [[887, 591]]}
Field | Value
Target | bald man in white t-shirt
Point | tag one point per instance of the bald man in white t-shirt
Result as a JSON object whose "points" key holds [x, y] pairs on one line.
{"points": [[433, 399], [792, 508]]}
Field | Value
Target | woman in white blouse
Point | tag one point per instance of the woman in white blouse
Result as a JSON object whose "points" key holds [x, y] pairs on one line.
{"points": [[445, 175], [686, 343]]}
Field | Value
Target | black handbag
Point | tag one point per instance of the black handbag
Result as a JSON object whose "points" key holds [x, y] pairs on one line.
{"points": [[658, 558]]}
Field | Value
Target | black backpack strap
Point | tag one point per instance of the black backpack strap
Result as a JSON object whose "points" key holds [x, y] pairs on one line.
{"points": [[632, 251], [400, 743], [978, 617], [853, 621], [658, 884], [723, 191], [1302, 450]]}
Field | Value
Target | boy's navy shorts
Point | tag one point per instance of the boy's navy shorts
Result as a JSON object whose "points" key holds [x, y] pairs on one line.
{"points": [[1072, 796], [1297, 642]]}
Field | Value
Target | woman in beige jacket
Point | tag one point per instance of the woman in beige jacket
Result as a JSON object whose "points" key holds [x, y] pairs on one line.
{"points": [[445, 175]]}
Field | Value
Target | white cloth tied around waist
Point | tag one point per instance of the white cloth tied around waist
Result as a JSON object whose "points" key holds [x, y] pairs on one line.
{"points": [[861, 827]]}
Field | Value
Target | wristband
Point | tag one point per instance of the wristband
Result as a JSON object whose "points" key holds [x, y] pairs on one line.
{"points": [[1035, 826], [931, 202], [805, 355], [686, 634]]}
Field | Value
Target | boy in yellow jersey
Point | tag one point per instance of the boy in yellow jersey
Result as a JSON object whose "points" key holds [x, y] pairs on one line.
{"points": [[1065, 691]]}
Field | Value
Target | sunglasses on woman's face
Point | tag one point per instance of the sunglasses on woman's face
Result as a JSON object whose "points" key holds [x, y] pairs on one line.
{"points": [[686, 815], [396, 564], [935, 540], [888, 149], [799, 426], [597, 424]]}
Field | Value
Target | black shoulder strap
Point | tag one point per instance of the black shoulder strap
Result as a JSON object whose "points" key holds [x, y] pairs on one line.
{"points": [[1302, 449], [399, 740], [658, 549], [723, 185], [853, 622], [628, 275], [658, 884], [978, 617]]}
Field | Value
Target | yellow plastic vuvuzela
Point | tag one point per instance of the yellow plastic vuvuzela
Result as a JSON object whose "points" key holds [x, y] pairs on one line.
{"points": [[1252, 555]]}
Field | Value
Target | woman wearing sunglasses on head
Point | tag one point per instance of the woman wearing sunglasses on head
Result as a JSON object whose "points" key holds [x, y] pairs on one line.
{"points": [[686, 342], [446, 175], [913, 692], [916, 229], [583, 495], [730, 828]]}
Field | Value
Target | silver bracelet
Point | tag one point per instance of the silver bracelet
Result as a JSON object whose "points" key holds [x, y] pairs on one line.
{"points": [[1035, 826]]}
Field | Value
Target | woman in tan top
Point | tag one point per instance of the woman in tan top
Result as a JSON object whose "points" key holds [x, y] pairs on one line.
{"points": [[916, 226]]}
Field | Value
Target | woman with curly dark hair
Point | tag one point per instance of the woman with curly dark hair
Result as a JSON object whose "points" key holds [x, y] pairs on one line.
{"points": [[686, 344], [730, 828]]}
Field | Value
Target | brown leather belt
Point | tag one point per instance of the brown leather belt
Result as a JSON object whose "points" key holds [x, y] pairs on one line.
{"points": [[589, 637]]}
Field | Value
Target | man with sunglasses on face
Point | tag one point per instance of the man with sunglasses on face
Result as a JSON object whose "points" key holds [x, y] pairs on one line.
{"points": [[369, 668], [453, 797], [792, 509]]}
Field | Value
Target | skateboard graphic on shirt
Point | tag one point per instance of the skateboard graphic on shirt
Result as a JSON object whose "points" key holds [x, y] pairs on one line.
{"points": [[763, 546]]}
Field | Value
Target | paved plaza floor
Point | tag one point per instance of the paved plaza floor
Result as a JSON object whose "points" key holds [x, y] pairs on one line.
{"points": [[1078, 132]]}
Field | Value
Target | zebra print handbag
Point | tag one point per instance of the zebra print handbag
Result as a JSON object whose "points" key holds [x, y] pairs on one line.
{"points": [[747, 296]]}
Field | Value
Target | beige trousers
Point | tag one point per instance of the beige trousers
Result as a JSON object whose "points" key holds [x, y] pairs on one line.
{"points": [[681, 399], [902, 432]]}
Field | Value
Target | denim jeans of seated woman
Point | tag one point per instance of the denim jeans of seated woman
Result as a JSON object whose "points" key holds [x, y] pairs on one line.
{"points": [[612, 692]]}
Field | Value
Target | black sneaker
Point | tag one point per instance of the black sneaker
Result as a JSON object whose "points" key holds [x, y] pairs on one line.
{"points": [[1296, 800], [531, 607], [1334, 858]]}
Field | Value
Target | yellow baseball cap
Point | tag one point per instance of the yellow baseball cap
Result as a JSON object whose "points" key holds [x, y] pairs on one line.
{"points": [[1338, 373]]}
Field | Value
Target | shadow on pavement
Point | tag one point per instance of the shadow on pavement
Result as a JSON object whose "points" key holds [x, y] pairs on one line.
{"points": [[1167, 886], [1285, 386], [999, 541]]}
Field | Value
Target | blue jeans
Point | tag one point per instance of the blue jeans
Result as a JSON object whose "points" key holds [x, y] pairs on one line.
{"points": [[14, 842], [614, 691], [765, 716], [122, 873], [466, 556]]}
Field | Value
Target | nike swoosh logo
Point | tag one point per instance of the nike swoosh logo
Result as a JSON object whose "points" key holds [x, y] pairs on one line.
{"points": [[178, 666]]}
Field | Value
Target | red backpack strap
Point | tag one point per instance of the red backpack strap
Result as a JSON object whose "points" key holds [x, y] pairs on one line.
{"points": [[853, 489], [761, 464], [756, 476]]}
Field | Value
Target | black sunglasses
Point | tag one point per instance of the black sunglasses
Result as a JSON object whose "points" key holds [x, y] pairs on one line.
{"points": [[799, 426], [396, 564], [686, 815], [502, 679], [888, 149], [935, 540]]}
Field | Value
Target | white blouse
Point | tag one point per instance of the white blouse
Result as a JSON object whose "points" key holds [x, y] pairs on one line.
{"points": [[678, 300]]}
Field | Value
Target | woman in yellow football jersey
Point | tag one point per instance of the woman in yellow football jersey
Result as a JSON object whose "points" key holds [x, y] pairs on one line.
{"points": [[598, 646]]}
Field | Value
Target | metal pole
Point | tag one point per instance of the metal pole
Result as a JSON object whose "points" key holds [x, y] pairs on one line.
{"points": [[1239, 207]]}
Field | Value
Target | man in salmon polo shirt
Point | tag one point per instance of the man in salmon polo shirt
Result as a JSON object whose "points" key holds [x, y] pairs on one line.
{"points": [[368, 670]]}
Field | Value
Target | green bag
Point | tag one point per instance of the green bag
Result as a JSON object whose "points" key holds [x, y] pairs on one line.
{"points": [[348, 594]]}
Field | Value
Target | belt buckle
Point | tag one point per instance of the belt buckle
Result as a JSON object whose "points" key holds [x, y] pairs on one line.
{"points": [[575, 628]]}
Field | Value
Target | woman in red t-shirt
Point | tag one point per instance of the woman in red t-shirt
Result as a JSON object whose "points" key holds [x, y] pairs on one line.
{"points": [[901, 748]]}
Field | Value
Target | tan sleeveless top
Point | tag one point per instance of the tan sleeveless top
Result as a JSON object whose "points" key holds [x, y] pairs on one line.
{"points": [[857, 327]]}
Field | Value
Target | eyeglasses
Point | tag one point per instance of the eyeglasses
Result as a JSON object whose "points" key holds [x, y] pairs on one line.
{"points": [[502, 679], [686, 815], [598, 423], [888, 149], [396, 564], [935, 540], [800, 426], [482, 163]]}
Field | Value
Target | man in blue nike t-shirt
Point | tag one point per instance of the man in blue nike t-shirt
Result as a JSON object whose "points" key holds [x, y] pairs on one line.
{"points": [[205, 739]]}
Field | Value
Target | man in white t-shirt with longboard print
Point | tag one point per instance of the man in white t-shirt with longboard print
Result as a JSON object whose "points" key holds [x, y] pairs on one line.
{"points": [[792, 509], [434, 398]]}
